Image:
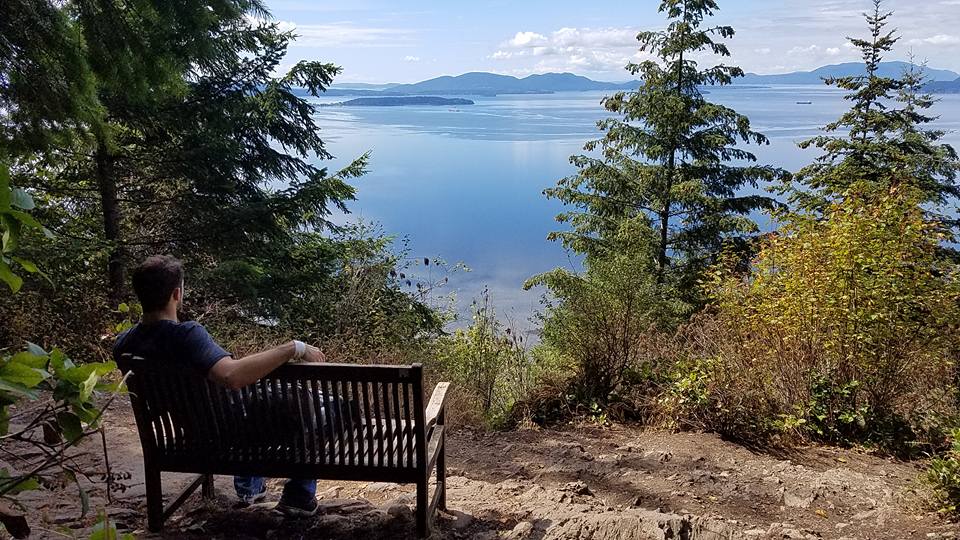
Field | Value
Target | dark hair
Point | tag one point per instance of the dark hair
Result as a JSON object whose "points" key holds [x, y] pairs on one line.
{"points": [[155, 279]]}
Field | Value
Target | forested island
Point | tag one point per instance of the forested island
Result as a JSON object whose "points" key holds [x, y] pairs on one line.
{"points": [[400, 101]]}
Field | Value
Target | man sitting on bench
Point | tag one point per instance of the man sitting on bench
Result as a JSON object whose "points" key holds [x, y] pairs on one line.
{"points": [[161, 337]]}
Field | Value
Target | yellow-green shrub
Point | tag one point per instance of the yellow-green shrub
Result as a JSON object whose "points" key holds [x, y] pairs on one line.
{"points": [[845, 326]]}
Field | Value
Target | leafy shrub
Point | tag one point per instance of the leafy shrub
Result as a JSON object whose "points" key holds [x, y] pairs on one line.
{"points": [[69, 390], [488, 364], [844, 328], [604, 322], [943, 475]]}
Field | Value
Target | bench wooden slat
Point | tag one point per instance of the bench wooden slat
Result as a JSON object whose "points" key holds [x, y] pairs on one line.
{"points": [[375, 390], [408, 440], [398, 421], [366, 411]]}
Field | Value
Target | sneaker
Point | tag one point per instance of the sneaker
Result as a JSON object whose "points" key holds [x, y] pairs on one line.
{"points": [[250, 500], [297, 509]]}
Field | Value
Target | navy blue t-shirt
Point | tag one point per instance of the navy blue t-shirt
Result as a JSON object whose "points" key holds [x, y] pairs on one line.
{"points": [[185, 344]]}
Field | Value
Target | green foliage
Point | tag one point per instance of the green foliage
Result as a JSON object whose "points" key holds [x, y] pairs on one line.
{"points": [[35, 373], [601, 321], [943, 475], [188, 142], [487, 363], [663, 167], [106, 530], [847, 325], [15, 203]]}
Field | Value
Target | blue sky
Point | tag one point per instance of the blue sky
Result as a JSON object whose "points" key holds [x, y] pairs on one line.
{"points": [[412, 40]]}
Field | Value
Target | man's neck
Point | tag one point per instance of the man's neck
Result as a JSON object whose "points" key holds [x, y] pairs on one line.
{"points": [[169, 314]]}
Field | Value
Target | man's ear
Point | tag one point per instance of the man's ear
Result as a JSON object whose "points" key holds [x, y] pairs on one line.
{"points": [[177, 295]]}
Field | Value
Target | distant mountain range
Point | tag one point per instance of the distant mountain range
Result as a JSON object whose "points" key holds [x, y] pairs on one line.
{"points": [[491, 84], [887, 69], [483, 84]]}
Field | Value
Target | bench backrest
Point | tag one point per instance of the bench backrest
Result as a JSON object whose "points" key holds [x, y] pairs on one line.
{"points": [[315, 415]]}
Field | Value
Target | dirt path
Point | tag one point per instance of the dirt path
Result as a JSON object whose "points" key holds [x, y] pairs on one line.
{"points": [[590, 483]]}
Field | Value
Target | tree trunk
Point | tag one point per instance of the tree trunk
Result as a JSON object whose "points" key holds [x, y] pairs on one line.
{"points": [[107, 183], [671, 171]]}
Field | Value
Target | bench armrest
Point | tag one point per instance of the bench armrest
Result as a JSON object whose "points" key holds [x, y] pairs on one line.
{"points": [[437, 402]]}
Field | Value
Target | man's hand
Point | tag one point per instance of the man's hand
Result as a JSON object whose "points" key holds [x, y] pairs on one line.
{"points": [[314, 355]]}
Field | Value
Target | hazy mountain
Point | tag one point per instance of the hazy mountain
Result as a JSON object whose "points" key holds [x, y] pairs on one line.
{"points": [[887, 69], [482, 84], [943, 87]]}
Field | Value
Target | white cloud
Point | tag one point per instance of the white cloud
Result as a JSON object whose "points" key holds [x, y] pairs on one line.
{"points": [[526, 39], [410, 58], [763, 50], [939, 39], [573, 49], [345, 34], [801, 51], [832, 51]]}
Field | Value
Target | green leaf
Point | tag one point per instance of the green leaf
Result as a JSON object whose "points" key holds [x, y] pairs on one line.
{"points": [[78, 375], [7, 276], [21, 374], [86, 388], [70, 425], [25, 219], [30, 359], [27, 265], [17, 389], [84, 501], [21, 199], [16, 484]]}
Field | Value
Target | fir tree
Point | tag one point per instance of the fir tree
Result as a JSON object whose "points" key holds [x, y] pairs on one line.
{"points": [[879, 141], [183, 139], [664, 173]]}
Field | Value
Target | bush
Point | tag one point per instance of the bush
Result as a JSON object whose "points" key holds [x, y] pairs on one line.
{"points": [[943, 475], [844, 329], [605, 322], [487, 363]]}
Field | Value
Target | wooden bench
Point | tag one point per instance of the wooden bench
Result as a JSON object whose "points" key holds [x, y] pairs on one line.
{"points": [[324, 421]]}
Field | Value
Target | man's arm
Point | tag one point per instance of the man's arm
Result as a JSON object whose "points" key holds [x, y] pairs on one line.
{"points": [[240, 372]]}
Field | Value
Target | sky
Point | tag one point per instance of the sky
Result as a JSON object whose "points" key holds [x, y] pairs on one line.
{"points": [[382, 41]]}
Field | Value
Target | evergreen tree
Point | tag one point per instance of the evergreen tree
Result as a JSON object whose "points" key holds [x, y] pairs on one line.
{"points": [[188, 135], [881, 141], [664, 172]]}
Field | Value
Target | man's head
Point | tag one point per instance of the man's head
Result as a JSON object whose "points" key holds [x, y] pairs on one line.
{"points": [[158, 281]]}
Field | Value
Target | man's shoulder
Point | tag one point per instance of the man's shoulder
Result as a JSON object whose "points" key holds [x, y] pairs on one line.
{"points": [[122, 338]]}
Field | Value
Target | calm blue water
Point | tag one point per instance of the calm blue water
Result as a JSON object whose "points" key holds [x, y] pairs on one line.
{"points": [[465, 184]]}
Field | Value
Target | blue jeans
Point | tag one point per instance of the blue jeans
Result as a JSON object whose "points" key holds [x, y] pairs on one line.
{"points": [[297, 491]]}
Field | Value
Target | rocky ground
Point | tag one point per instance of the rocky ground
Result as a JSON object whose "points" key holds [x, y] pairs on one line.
{"points": [[619, 483]]}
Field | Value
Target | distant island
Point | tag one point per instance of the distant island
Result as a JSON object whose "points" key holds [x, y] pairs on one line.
{"points": [[399, 101], [492, 84], [943, 87]]}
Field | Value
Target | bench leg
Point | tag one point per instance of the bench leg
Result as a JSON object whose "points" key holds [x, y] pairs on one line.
{"points": [[423, 506], [442, 470], [154, 499], [207, 489]]}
